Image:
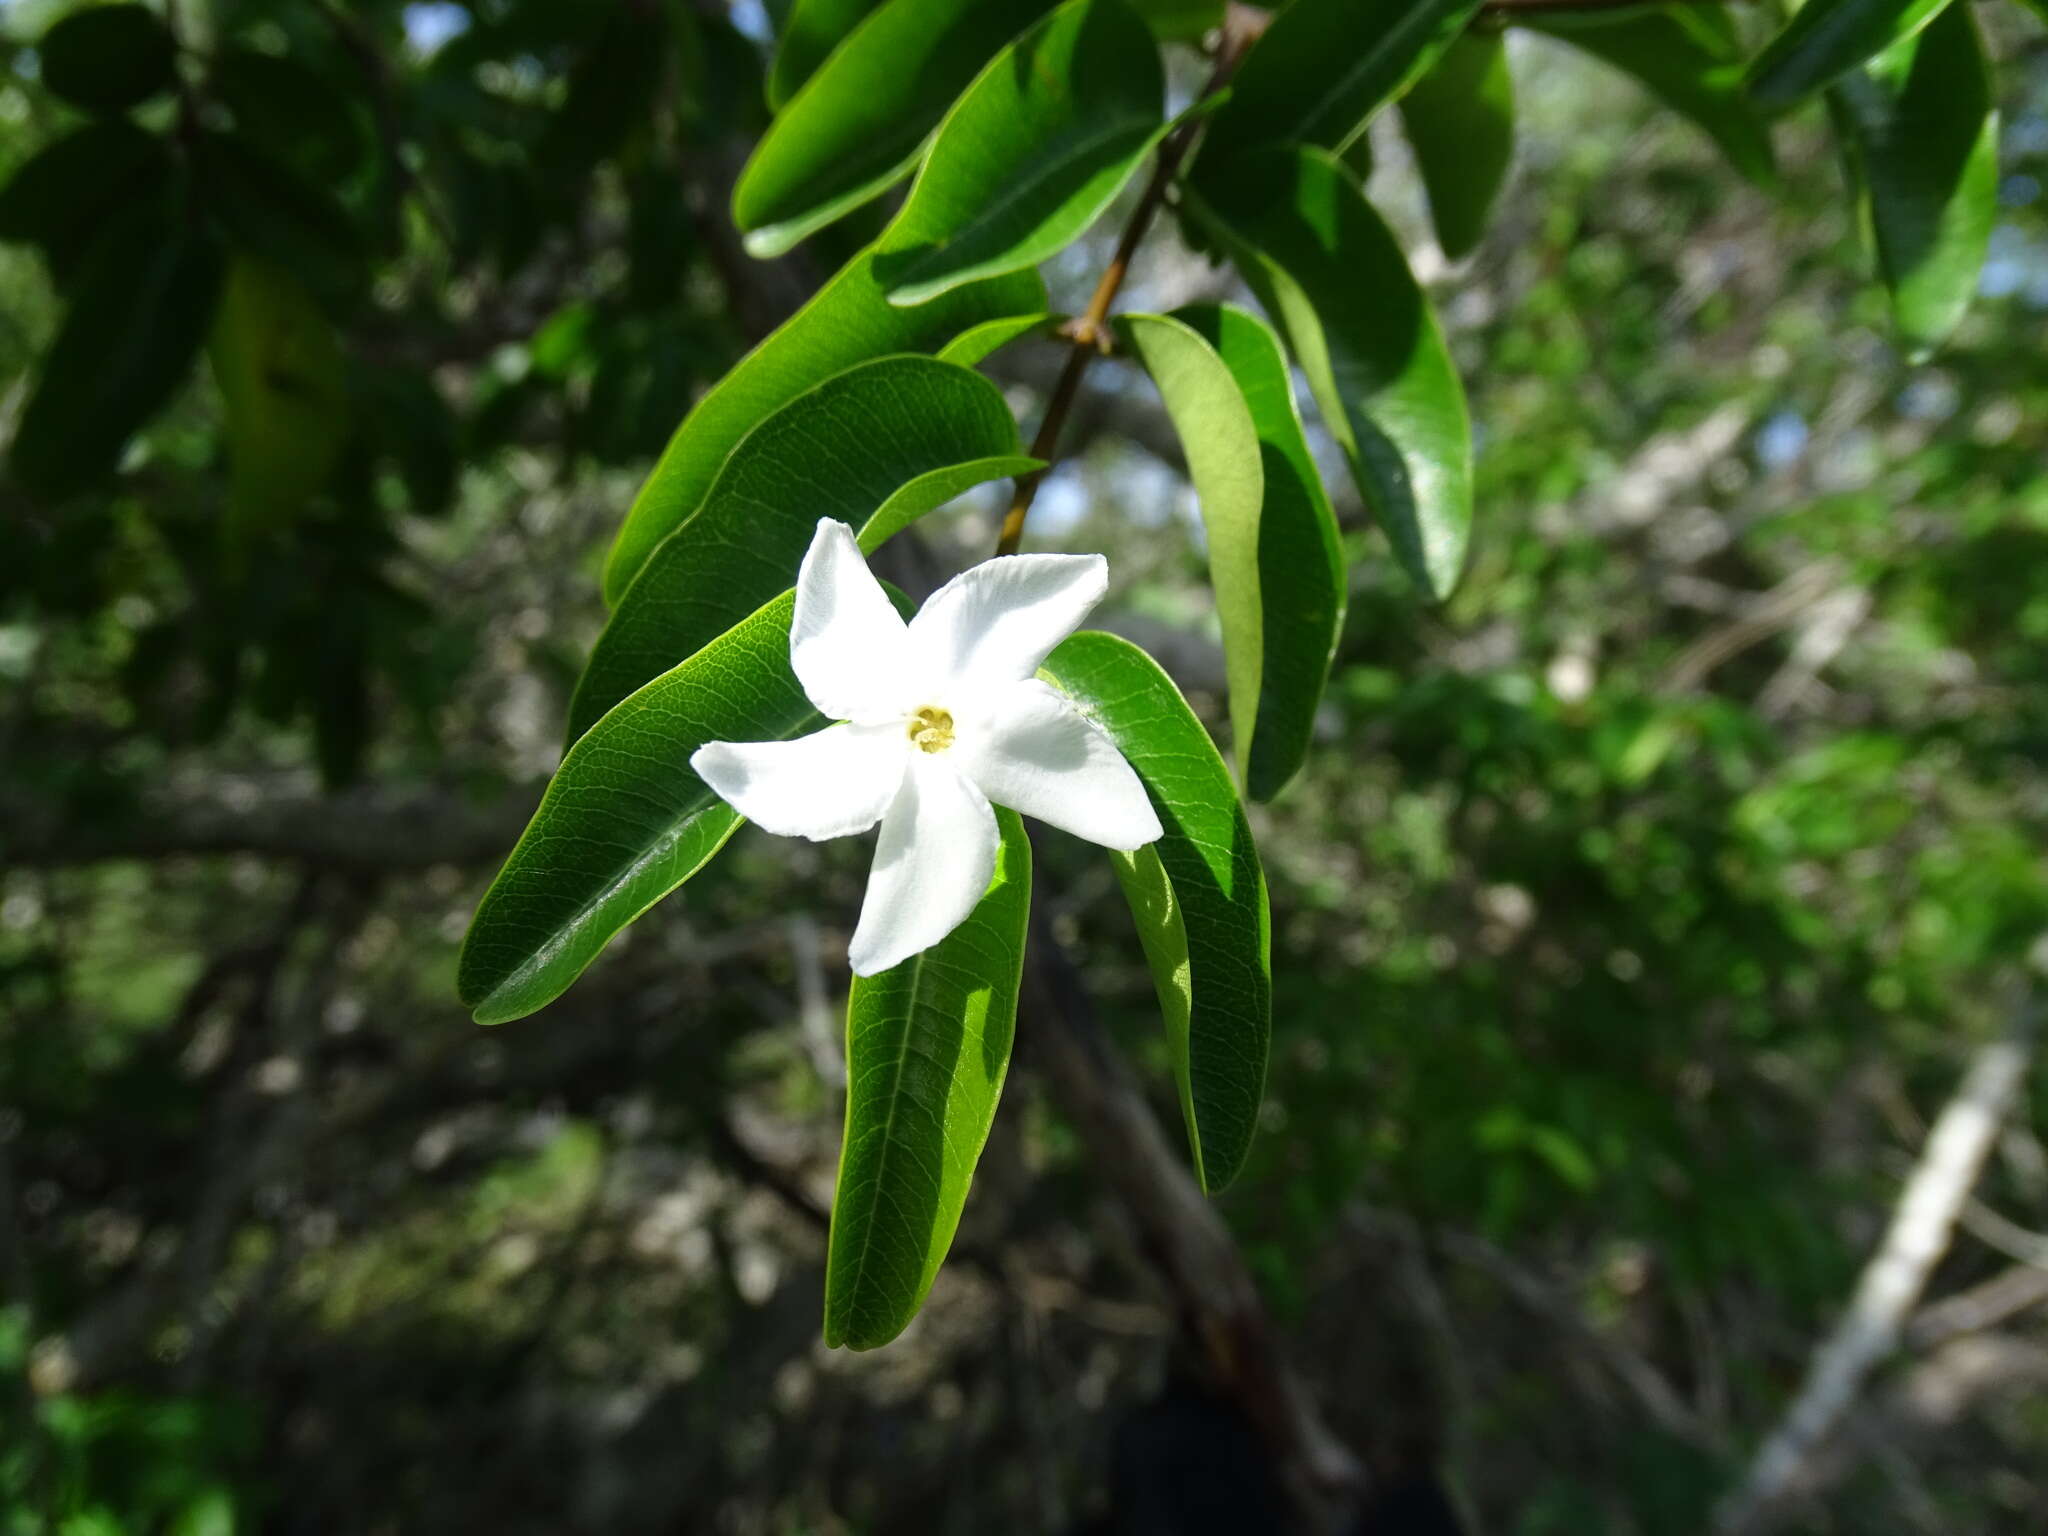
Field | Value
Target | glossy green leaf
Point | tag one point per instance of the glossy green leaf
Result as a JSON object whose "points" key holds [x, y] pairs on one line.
{"points": [[1460, 119], [1335, 282], [1221, 445], [846, 322], [1198, 894], [1031, 154], [139, 312], [927, 1047], [1825, 39], [860, 122], [1685, 57], [625, 821], [108, 58], [68, 191], [875, 447], [1922, 126], [814, 29], [1301, 555], [1324, 67], [979, 342]]}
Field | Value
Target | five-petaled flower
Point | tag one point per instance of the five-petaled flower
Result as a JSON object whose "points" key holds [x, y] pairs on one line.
{"points": [[940, 718]]}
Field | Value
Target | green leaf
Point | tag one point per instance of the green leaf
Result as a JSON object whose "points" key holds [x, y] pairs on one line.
{"points": [[859, 123], [1198, 895], [1181, 21], [814, 29], [927, 1047], [1825, 39], [1324, 67], [1333, 279], [108, 58], [846, 322], [295, 110], [875, 447], [1031, 154], [980, 342], [1688, 60], [1301, 554], [270, 210], [139, 312], [625, 821], [1221, 445], [1922, 126], [1460, 118], [65, 194], [278, 364]]}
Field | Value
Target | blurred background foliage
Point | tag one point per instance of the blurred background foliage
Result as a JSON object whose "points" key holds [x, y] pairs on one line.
{"points": [[1635, 914]]}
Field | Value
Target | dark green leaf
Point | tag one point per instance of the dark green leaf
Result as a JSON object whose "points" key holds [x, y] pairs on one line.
{"points": [[1180, 21], [1333, 279], [611, 91], [68, 191], [1922, 125], [814, 29], [1685, 58], [846, 322], [927, 1047], [1031, 155], [625, 821], [138, 315], [860, 122], [108, 58], [1324, 67], [1198, 895], [274, 212], [1460, 118], [1825, 39], [1221, 445], [1301, 556], [291, 109], [875, 447]]}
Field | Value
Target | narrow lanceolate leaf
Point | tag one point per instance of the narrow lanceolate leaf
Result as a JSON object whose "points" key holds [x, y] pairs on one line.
{"points": [[1301, 556], [1324, 67], [847, 321], [1922, 125], [875, 447], [625, 821], [1825, 39], [1221, 445], [1198, 895], [860, 121], [1030, 156], [927, 1046], [1686, 57], [139, 311], [813, 30], [1460, 118], [1333, 279]]}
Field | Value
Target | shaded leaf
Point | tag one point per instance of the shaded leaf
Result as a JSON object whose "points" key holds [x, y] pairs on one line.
{"points": [[846, 322], [814, 29], [1922, 126], [1198, 895], [625, 821], [270, 210], [1324, 67], [1460, 118], [874, 447], [1031, 154], [108, 58], [292, 109], [1825, 39], [1180, 21], [1687, 59], [65, 194], [927, 1048], [1221, 445], [859, 123], [1301, 555], [1334, 281]]}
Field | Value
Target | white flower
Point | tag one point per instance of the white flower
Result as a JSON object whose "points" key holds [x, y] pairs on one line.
{"points": [[942, 716]]}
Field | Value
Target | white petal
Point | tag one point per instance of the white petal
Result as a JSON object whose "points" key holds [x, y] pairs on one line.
{"points": [[1028, 748], [933, 862], [994, 622], [847, 642], [831, 783]]}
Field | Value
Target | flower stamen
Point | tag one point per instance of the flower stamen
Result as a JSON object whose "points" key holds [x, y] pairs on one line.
{"points": [[931, 728]]}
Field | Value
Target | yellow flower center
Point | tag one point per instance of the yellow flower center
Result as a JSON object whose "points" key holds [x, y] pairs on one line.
{"points": [[932, 729]]}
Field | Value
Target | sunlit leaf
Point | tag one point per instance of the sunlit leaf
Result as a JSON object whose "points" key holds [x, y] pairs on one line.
{"points": [[813, 30]]}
